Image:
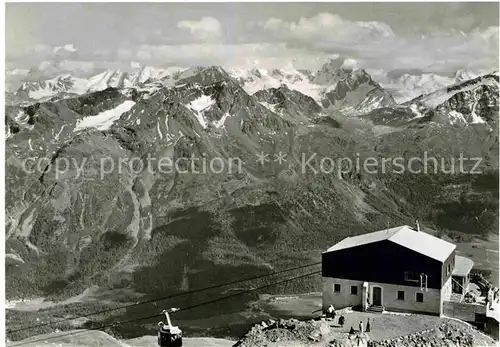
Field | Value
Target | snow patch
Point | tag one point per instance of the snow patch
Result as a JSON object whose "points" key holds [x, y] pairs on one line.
{"points": [[199, 106], [60, 131], [476, 119], [270, 107], [221, 122], [14, 257], [41, 94], [416, 112], [159, 131], [456, 117], [105, 119]]}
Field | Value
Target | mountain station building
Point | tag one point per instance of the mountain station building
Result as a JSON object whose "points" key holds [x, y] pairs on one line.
{"points": [[399, 269]]}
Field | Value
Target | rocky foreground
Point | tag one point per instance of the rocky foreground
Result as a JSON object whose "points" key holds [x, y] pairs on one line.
{"points": [[93, 338], [322, 332], [288, 333]]}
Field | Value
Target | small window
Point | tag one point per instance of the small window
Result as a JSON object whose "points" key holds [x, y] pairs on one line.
{"points": [[420, 297], [411, 276], [401, 295], [448, 270], [336, 288], [354, 290]]}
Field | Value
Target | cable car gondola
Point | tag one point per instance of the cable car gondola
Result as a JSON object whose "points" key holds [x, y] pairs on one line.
{"points": [[169, 335]]}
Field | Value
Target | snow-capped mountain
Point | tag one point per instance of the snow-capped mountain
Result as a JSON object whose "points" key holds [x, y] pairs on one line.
{"points": [[411, 85], [466, 103], [438, 97], [353, 91], [67, 84], [474, 101], [335, 86], [255, 79], [332, 86], [46, 89]]}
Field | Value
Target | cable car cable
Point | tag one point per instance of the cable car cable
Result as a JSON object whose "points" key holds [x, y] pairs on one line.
{"points": [[158, 315], [162, 298]]}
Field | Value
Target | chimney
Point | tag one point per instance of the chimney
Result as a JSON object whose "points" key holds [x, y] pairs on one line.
{"points": [[418, 226]]}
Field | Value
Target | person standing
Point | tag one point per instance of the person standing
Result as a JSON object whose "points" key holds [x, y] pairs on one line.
{"points": [[360, 327], [331, 312], [341, 321]]}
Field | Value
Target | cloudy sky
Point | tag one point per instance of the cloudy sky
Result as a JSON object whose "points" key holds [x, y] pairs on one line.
{"points": [[82, 37]]}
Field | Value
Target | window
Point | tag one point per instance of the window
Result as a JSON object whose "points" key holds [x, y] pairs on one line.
{"points": [[354, 290], [448, 270], [336, 288], [420, 297], [401, 295], [411, 276], [423, 282]]}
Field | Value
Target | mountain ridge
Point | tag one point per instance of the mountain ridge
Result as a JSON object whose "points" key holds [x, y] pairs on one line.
{"points": [[349, 90]]}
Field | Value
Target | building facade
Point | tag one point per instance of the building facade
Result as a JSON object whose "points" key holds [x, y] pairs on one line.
{"points": [[399, 269]]}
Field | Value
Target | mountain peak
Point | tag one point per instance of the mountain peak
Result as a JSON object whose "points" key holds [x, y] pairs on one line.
{"points": [[214, 69], [208, 76], [338, 69]]}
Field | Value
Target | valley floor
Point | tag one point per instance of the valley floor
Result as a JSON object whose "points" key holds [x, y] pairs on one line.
{"points": [[484, 252]]}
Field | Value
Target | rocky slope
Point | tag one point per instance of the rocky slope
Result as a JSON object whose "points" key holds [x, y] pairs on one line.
{"points": [[294, 333], [289, 103]]}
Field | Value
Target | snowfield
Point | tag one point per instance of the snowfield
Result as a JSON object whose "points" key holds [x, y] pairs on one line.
{"points": [[105, 119]]}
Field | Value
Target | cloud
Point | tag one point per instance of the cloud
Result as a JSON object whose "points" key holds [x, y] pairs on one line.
{"points": [[349, 63], [66, 48], [269, 55], [325, 25], [275, 42], [206, 29], [375, 45]]}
